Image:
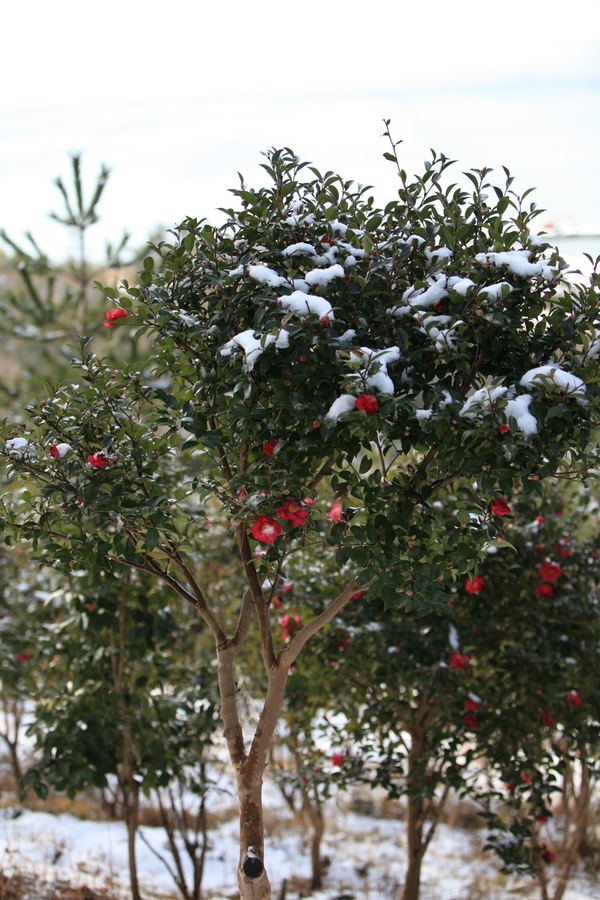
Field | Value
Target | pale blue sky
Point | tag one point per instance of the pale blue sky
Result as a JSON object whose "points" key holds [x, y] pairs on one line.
{"points": [[177, 101]]}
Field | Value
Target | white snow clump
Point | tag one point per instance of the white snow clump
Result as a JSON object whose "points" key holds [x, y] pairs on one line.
{"points": [[565, 381]]}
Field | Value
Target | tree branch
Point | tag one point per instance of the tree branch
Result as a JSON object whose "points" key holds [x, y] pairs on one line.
{"points": [[290, 653], [262, 610]]}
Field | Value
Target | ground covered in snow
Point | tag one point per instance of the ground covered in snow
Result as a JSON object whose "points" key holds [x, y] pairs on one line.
{"points": [[367, 855]]}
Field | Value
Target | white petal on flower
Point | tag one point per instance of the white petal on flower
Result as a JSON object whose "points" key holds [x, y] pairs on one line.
{"points": [[264, 275], [519, 410], [322, 277], [343, 404]]}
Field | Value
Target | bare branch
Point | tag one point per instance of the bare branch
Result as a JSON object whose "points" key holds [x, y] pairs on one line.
{"points": [[262, 610]]}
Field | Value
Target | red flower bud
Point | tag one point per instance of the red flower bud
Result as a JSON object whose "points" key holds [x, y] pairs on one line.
{"points": [[97, 460]]}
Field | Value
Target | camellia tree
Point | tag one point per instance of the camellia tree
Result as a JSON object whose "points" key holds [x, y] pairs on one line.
{"points": [[472, 705], [322, 369]]}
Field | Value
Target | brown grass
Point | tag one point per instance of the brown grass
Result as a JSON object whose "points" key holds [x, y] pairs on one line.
{"points": [[25, 887]]}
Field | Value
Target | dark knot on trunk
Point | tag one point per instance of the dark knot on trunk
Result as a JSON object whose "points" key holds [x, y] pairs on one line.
{"points": [[253, 867]]}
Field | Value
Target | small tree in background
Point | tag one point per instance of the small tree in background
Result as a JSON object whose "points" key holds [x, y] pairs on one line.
{"points": [[316, 349], [45, 304], [121, 699]]}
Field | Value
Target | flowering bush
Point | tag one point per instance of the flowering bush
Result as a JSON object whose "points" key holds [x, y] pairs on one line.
{"points": [[406, 334]]}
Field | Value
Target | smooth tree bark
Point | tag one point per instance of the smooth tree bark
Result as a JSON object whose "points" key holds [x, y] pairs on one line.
{"points": [[12, 714], [129, 788], [422, 814], [576, 803]]}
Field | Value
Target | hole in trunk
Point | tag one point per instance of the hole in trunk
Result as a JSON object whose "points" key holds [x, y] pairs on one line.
{"points": [[253, 867]]}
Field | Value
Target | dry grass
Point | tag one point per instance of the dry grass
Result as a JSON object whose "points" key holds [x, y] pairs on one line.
{"points": [[21, 886]]}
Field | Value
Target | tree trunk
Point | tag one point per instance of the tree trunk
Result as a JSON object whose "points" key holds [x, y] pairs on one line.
{"points": [[253, 880], [14, 762], [132, 800], [416, 849], [315, 851]]}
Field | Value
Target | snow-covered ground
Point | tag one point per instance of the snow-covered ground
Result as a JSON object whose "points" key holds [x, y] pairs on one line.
{"points": [[367, 857]]}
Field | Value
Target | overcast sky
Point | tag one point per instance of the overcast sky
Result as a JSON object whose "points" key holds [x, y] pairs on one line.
{"points": [[177, 98]]}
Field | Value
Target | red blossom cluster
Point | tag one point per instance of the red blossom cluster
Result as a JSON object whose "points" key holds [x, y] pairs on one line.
{"points": [[289, 625]]}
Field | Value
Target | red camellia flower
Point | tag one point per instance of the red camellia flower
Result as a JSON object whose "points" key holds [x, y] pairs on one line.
{"points": [[470, 721], [337, 759], [544, 590], [563, 549], [547, 717], [500, 507], [336, 513], [573, 697], [540, 817], [292, 512], [503, 428], [471, 704], [289, 624], [266, 529], [24, 657], [550, 571], [475, 585], [547, 854], [526, 777], [269, 447], [459, 660], [510, 785], [113, 314], [367, 402], [97, 460]]}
